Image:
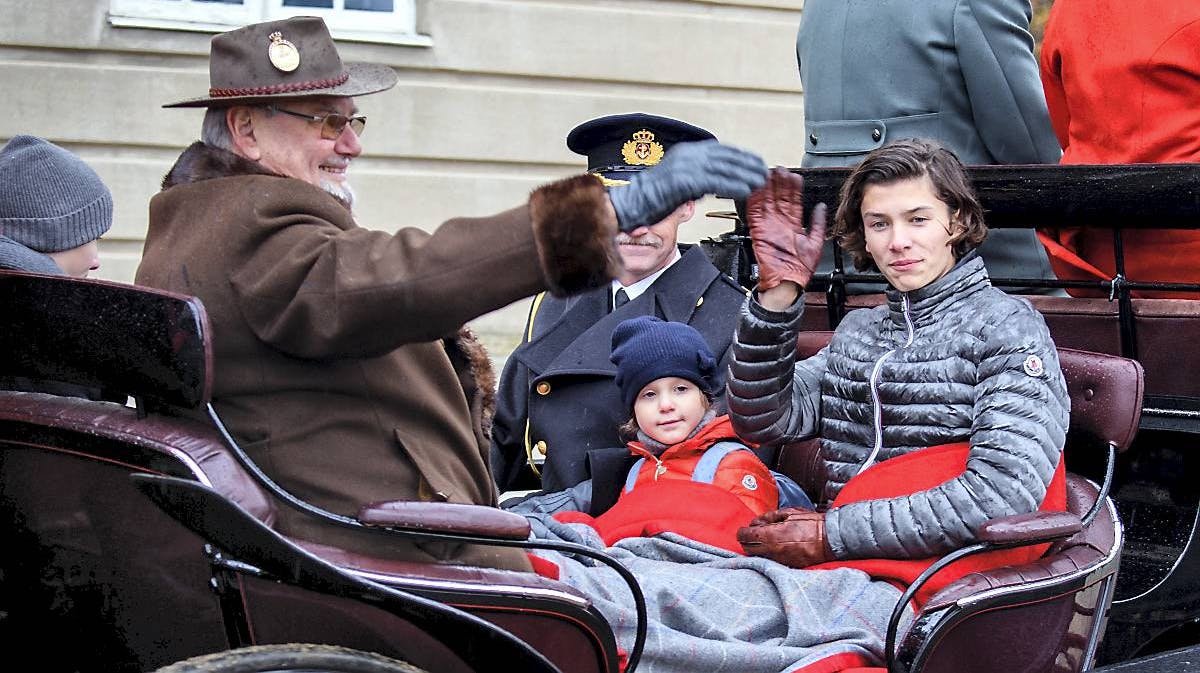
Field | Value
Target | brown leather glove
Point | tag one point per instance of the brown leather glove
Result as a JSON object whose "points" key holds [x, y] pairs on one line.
{"points": [[783, 250], [792, 536]]}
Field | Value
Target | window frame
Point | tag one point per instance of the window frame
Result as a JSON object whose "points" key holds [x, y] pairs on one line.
{"points": [[395, 27]]}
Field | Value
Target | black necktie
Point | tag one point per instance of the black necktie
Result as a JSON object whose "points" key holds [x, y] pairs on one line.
{"points": [[620, 299]]}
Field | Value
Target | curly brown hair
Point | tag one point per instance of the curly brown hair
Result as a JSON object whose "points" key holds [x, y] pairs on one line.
{"points": [[904, 160]]}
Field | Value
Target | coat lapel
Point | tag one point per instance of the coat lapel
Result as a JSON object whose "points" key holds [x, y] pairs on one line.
{"points": [[577, 314], [581, 341]]}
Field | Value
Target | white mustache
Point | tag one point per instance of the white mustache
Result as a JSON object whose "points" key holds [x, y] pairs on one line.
{"points": [[648, 240]]}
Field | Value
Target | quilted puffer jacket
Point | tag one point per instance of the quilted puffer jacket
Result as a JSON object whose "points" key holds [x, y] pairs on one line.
{"points": [[956, 360]]}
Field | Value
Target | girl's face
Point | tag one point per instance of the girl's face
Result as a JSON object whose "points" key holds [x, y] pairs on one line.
{"points": [[908, 232], [668, 409]]}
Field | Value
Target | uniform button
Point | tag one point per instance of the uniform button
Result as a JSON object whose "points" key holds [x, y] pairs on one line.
{"points": [[539, 449], [812, 138], [876, 134], [699, 302], [543, 388]]}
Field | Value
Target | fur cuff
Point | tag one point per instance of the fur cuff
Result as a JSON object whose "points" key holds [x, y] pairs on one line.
{"points": [[574, 229]]}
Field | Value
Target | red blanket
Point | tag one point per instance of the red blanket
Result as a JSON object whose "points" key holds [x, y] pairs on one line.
{"points": [[702, 512], [919, 471]]}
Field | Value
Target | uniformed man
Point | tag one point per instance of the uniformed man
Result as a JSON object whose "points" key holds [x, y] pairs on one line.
{"points": [[557, 399]]}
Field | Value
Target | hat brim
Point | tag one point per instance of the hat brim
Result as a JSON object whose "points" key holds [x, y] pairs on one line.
{"points": [[617, 178], [365, 78]]}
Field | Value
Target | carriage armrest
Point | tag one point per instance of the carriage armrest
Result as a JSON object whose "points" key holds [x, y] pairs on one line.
{"points": [[1031, 528], [446, 517]]}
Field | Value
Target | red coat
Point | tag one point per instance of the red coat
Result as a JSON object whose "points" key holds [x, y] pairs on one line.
{"points": [[667, 499], [740, 473], [1122, 81]]}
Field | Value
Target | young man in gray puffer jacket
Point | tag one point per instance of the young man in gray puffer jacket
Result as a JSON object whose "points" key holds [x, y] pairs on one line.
{"points": [[948, 359]]}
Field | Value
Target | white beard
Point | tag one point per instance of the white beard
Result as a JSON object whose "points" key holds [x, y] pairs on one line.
{"points": [[340, 190]]}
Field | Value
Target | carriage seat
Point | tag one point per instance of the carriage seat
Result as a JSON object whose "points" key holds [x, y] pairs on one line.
{"points": [[154, 347], [1047, 614], [1089, 546]]}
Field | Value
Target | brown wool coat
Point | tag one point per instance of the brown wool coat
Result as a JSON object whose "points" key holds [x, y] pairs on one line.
{"points": [[340, 361]]}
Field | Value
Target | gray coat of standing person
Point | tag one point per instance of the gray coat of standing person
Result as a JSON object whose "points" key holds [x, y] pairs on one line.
{"points": [[961, 72]]}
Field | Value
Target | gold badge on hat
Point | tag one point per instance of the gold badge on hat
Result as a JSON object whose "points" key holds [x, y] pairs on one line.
{"points": [[283, 54], [642, 150]]}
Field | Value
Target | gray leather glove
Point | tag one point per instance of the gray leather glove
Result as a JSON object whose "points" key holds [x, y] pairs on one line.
{"points": [[688, 172]]}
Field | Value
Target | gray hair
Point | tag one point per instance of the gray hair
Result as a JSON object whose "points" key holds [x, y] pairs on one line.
{"points": [[215, 132]]}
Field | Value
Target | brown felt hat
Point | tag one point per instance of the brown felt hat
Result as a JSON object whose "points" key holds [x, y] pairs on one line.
{"points": [[291, 58]]}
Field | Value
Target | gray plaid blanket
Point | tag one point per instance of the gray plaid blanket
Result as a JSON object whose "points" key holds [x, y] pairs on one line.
{"points": [[712, 611]]}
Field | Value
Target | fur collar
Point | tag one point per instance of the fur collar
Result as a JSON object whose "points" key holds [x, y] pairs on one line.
{"points": [[476, 374], [201, 162]]}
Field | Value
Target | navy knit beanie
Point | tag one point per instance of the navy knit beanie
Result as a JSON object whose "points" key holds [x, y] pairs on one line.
{"points": [[647, 348], [50, 200]]}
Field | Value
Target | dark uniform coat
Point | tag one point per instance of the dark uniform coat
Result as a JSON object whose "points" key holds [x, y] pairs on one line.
{"points": [[558, 393], [339, 362]]}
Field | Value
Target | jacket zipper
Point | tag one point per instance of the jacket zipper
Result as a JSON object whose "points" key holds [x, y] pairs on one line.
{"points": [[876, 404]]}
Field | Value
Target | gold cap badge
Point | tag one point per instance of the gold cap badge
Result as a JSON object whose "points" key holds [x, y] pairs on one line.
{"points": [[283, 54], [642, 150]]}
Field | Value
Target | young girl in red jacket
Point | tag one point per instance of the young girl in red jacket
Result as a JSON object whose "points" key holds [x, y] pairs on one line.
{"points": [[693, 476]]}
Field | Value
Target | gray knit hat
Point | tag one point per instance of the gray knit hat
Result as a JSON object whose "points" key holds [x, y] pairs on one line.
{"points": [[50, 200]]}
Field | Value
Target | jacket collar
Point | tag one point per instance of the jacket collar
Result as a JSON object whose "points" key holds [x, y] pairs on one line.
{"points": [[964, 279], [581, 340], [710, 430], [201, 162]]}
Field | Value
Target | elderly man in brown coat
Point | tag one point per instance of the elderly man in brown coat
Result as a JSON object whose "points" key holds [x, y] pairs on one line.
{"points": [[341, 360]]}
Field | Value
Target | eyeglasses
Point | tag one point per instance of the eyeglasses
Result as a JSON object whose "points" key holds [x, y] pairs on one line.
{"points": [[332, 124]]}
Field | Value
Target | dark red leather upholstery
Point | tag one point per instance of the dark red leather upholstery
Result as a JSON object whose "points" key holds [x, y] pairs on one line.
{"points": [[1041, 616], [1085, 548], [82, 439], [192, 444], [65, 464], [447, 517], [1106, 395]]}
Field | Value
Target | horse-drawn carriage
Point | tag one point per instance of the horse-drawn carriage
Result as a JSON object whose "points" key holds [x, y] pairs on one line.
{"points": [[139, 534]]}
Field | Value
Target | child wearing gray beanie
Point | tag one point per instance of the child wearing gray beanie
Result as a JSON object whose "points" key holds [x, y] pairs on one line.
{"points": [[50, 202]]}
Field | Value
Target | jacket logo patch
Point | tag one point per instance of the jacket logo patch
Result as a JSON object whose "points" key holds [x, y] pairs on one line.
{"points": [[750, 483], [1033, 366]]}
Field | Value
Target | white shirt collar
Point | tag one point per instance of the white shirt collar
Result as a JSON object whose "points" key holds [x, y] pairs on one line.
{"points": [[642, 285]]}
